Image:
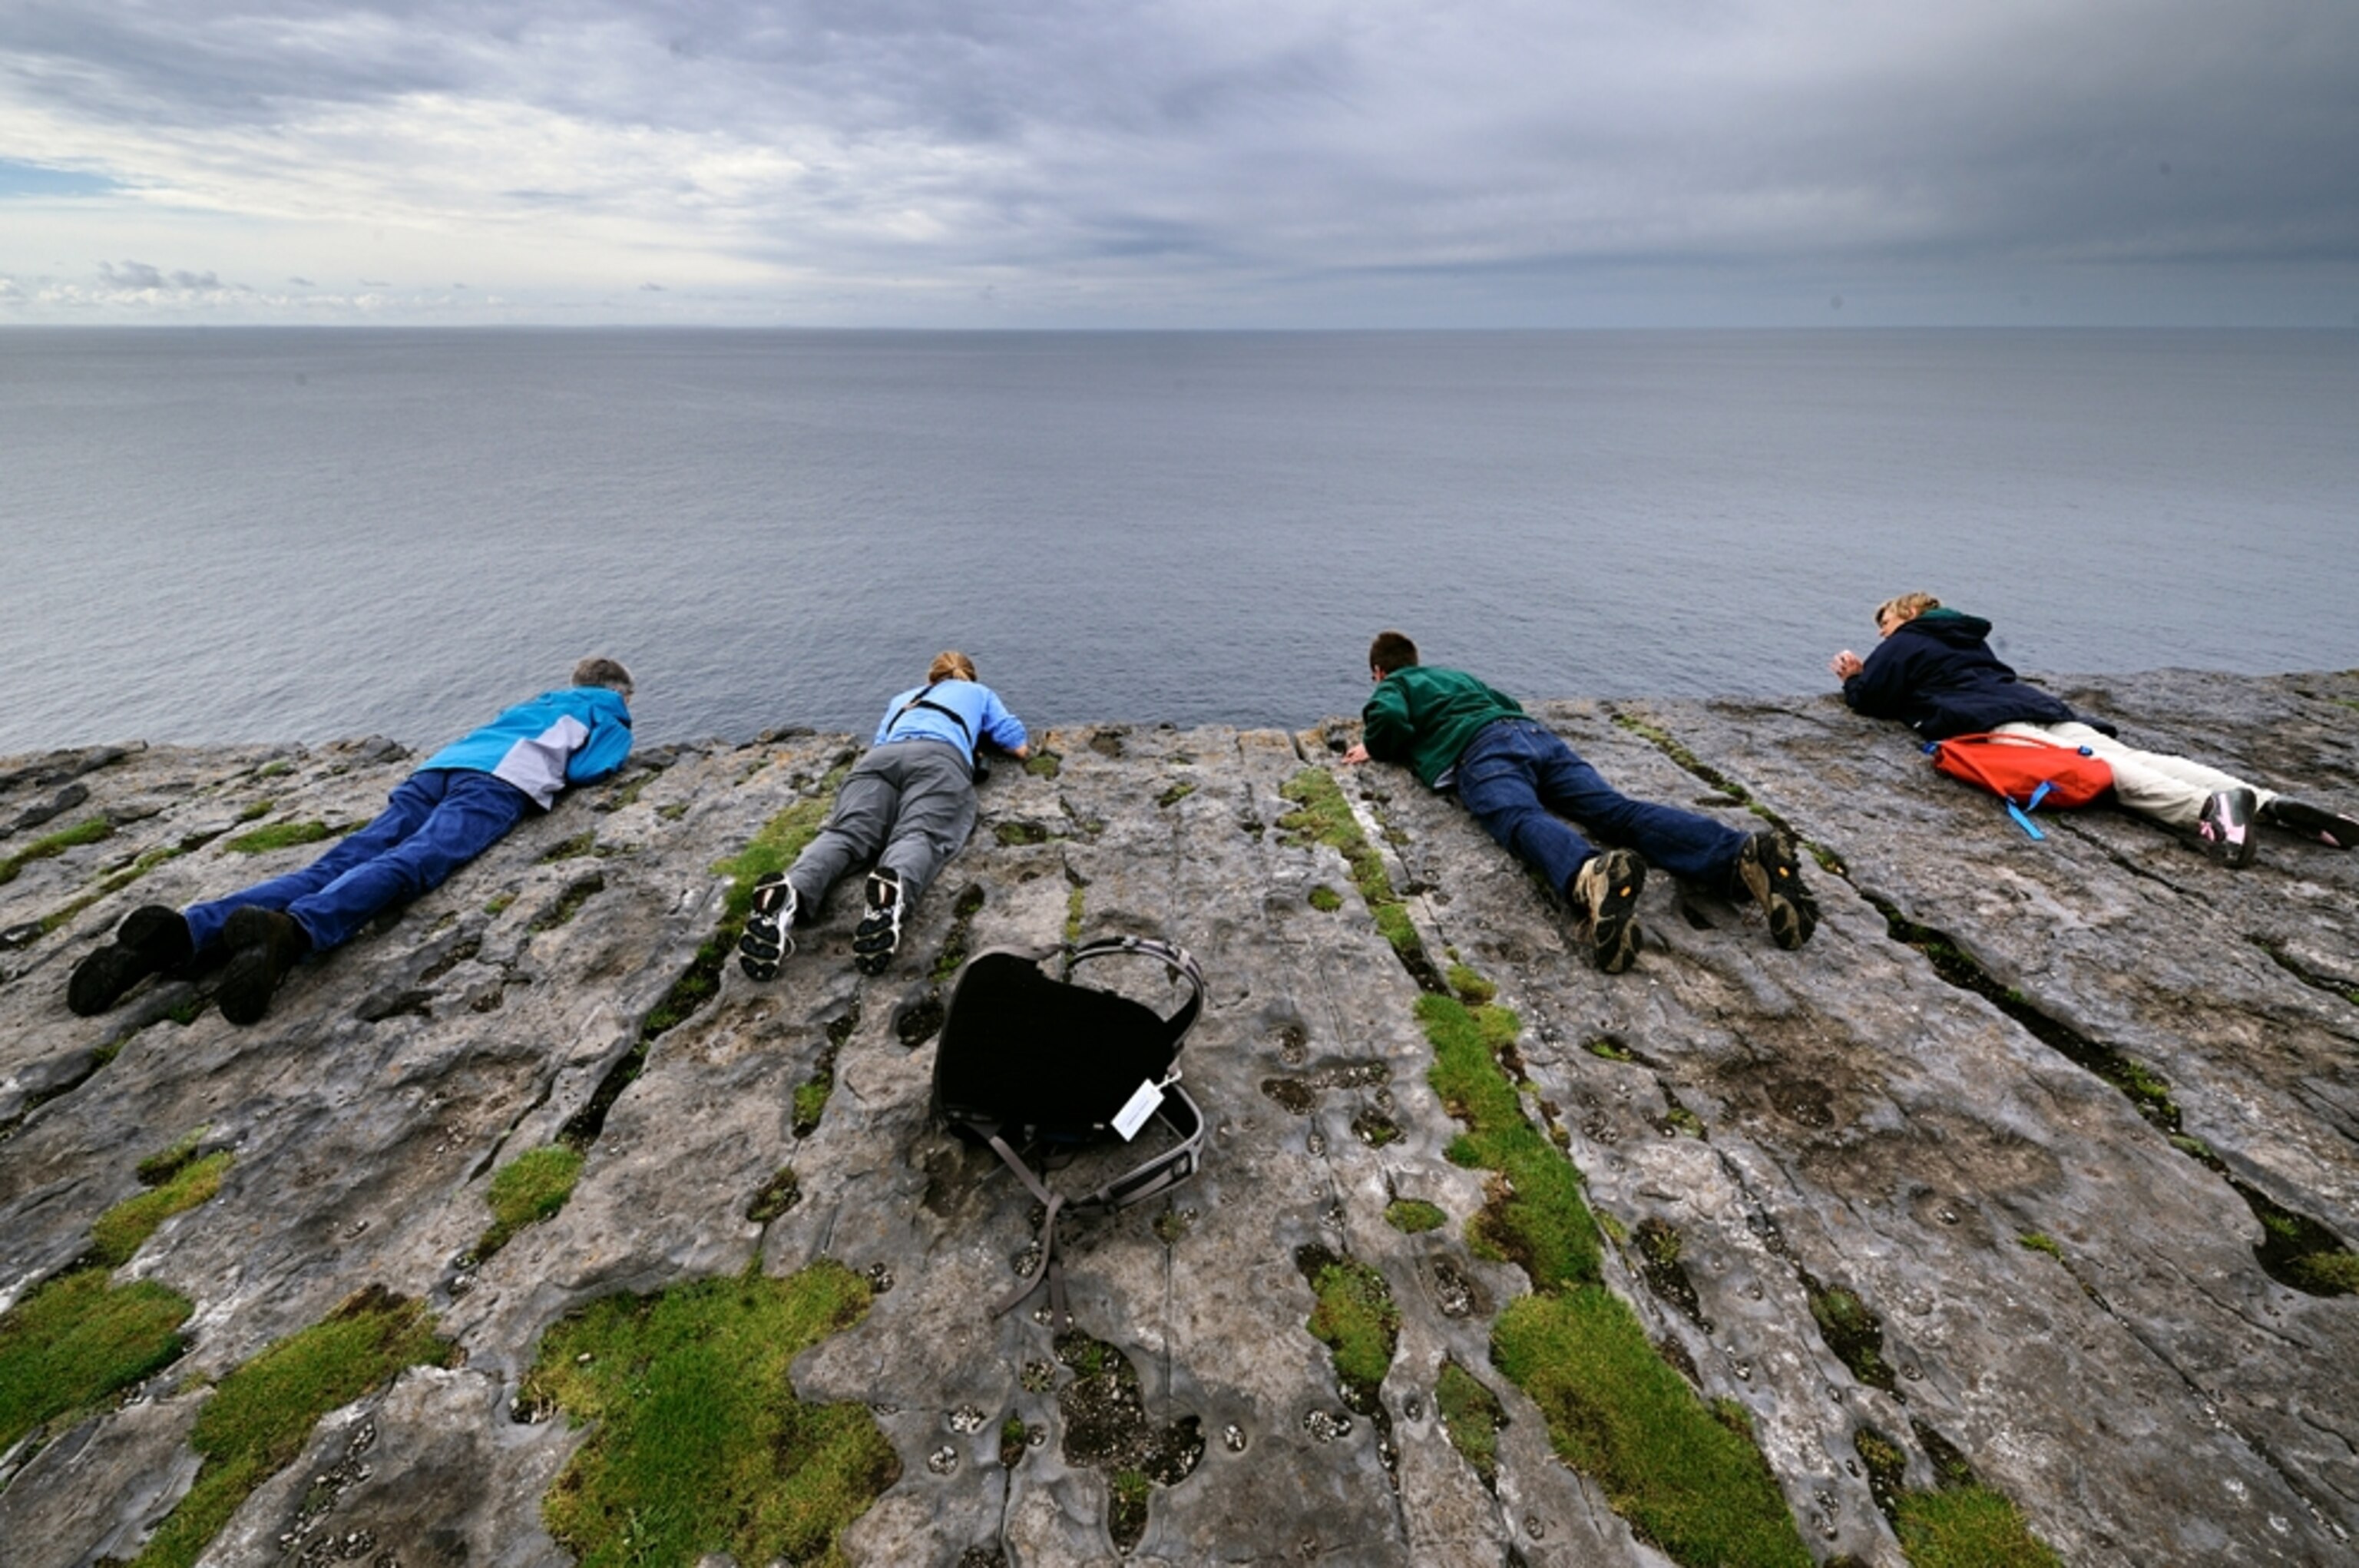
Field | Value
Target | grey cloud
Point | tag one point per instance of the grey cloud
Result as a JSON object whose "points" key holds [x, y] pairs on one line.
{"points": [[140, 275], [1313, 138]]}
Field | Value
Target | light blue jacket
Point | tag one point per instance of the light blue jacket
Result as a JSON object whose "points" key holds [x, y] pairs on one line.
{"points": [[987, 718], [576, 736]]}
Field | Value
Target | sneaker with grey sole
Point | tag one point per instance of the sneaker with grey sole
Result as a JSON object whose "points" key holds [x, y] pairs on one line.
{"points": [[1605, 891], [879, 934], [768, 941], [1768, 871]]}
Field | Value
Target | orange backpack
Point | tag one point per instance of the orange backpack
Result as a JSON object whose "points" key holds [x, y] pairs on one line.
{"points": [[2025, 771]]}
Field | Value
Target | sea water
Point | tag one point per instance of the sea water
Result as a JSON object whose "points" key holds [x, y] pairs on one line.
{"points": [[302, 534]]}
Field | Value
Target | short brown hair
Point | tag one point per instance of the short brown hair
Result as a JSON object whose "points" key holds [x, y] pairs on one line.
{"points": [[951, 665], [1391, 651], [1907, 606], [604, 673]]}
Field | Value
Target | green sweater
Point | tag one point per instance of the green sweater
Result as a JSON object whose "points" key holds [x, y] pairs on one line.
{"points": [[1424, 716]]}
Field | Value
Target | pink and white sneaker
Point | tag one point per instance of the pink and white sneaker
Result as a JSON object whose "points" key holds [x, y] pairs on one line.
{"points": [[2227, 826]]}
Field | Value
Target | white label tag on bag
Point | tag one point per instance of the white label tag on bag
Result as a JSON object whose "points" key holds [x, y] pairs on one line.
{"points": [[1134, 1112]]}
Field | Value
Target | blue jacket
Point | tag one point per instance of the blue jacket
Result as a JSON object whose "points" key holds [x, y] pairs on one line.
{"points": [[577, 735], [1938, 675], [981, 716]]}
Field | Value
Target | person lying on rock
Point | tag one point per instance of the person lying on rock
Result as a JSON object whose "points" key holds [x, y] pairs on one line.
{"points": [[464, 800], [1935, 672], [908, 807], [1516, 775]]}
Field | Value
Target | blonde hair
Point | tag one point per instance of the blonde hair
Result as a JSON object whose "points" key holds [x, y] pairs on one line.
{"points": [[1906, 606], [951, 665]]}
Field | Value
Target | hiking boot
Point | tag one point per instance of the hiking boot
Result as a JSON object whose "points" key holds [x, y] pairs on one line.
{"points": [[151, 939], [2331, 828], [1767, 872], [264, 945], [1606, 890], [769, 941], [878, 933], [2227, 826]]}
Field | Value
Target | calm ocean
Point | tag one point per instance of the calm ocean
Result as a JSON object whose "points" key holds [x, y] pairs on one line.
{"points": [[300, 534]]}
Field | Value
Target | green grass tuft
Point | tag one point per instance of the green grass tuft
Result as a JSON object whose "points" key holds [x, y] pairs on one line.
{"points": [[1325, 899], [698, 1443], [1620, 1414], [1472, 1416], [1967, 1527], [280, 835], [1014, 833], [1412, 1216], [166, 1163], [257, 1420], [2327, 1273], [71, 1344], [124, 1228], [1471, 988], [2038, 1241], [1044, 764], [1537, 1215], [1324, 816], [1177, 793], [90, 830], [773, 848], [811, 1102], [528, 1188], [1355, 1319]]}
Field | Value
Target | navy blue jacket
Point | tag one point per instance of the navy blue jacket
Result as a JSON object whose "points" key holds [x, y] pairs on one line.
{"points": [[1937, 674]]}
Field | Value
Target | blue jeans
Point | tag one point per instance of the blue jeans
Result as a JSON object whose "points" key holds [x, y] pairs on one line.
{"points": [[433, 823], [1516, 775]]}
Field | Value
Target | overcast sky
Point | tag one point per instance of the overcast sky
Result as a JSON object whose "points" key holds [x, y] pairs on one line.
{"points": [[1192, 163]]}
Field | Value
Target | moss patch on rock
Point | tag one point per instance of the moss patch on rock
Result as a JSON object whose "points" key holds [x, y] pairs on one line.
{"points": [[528, 1188], [1472, 1416], [1686, 1480], [181, 1186], [1620, 1414], [699, 1445], [1356, 1319], [1324, 816], [280, 835], [1536, 1215], [88, 830], [1412, 1216], [1967, 1527], [74, 1342], [256, 1422]]}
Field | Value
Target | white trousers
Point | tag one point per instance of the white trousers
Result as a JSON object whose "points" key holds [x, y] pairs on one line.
{"points": [[2171, 789]]}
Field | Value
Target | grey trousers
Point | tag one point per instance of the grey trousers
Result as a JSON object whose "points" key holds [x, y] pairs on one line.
{"points": [[908, 805]]}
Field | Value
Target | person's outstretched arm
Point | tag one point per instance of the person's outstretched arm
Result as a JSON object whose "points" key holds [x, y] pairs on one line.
{"points": [[1001, 728]]}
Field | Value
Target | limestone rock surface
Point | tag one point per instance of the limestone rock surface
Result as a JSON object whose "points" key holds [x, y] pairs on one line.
{"points": [[2026, 1105]]}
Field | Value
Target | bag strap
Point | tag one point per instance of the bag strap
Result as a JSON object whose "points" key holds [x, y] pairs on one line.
{"points": [[1997, 737], [918, 701], [1159, 1174], [1052, 1271], [1175, 958]]}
